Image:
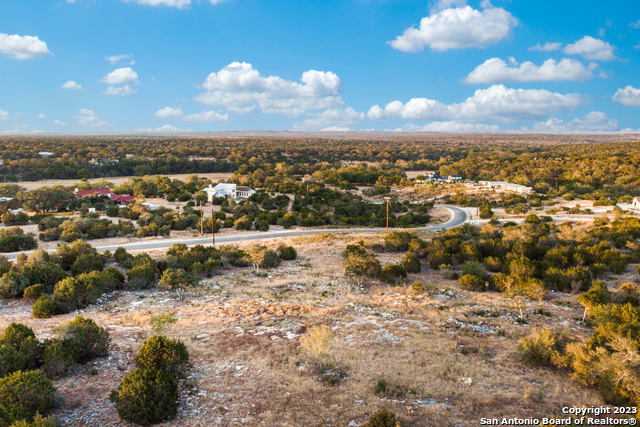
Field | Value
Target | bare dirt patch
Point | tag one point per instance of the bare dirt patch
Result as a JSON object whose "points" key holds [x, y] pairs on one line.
{"points": [[30, 185], [439, 215], [413, 174]]}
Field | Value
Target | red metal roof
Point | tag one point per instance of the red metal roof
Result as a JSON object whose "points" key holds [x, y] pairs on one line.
{"points": [[122, 198]]}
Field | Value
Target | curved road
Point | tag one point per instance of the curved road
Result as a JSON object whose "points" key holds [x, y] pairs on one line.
{"points": [[458, 217]]}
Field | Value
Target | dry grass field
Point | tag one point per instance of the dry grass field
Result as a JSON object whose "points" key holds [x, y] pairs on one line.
{"points": [[447, 356], [117, 180]]}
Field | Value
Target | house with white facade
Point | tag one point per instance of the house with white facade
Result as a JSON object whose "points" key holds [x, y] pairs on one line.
{"points": [[507, 186], [228, 190], [635, 205]]}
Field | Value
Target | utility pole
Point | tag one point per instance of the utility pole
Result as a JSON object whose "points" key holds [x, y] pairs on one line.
{"points": [[201, 221], [213, 227], [387, 199]]}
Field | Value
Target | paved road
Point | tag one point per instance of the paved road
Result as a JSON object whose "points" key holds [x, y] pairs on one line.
{"points": [[458, 217]]}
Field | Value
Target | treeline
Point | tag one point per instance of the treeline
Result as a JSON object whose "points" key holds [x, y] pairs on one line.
{"points": [[569, 166], [347, 178], [605, 172], [522, 261], [14, 239], [528, 260], [589, 171]]}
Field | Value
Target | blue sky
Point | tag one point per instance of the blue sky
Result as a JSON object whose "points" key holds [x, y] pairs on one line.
{"points": [[212, 65]]}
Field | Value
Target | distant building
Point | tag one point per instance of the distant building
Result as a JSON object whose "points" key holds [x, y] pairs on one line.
{"points": [[122, 198], [431, 177], [118, 198], [150, 206], [103, 161], [635, 205], [45, 153], [507, 186], [229, 190], [6, 199], [434, 177]]}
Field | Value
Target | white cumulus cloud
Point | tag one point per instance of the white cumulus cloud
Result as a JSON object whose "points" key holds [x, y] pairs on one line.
{"points": [[457, 28], [450, 127], [629, 96], [121, 76], [41, 116], [87, 118], [496, 70], [242, 89], [496, 103], [122, 91], [595, 121], [22, 47], [70, 84], [591, 49], [207, 116], [204, 116], [4, 115], [167, 128], [59, 123], [117, 58], [547, 47], [169, 113], [333, 119]]}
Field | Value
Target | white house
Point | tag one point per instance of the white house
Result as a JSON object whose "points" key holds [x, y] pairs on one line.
{"points": [[226, 190], [507, 186], [635, 205]]}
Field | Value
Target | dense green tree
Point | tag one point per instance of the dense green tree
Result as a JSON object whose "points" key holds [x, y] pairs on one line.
{"points": [[146, 396], [358, 267], [411, 263], [23, 394], [88, 339], [170, 356]]}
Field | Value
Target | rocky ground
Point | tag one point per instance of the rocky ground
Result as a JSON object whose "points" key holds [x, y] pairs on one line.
{"points": [[448, 356]]}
